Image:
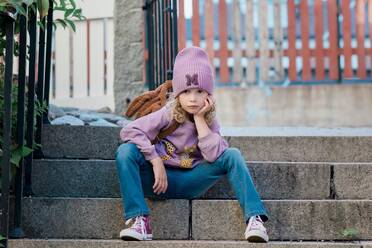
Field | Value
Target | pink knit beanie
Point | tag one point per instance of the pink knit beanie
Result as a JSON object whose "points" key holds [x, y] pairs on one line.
{"points": [[192, 70]]}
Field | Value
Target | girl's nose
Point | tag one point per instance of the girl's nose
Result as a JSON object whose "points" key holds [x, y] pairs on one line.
{"points": [[192, 97]]}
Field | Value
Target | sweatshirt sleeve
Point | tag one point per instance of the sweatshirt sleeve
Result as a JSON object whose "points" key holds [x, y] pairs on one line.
{"points": [[212, 145], [143, 130]]}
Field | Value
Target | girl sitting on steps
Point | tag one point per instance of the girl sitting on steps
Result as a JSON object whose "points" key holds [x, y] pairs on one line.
{"points": [[186, 163]]}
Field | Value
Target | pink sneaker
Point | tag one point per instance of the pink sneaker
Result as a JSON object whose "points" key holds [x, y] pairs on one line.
{"points": [[255, 231], [139, 230]]}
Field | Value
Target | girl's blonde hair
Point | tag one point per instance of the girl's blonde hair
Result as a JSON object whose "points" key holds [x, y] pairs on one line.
{"points": [[180, 115]]}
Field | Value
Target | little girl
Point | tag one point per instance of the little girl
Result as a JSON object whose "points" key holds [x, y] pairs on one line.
{"points": [[189, 161]]}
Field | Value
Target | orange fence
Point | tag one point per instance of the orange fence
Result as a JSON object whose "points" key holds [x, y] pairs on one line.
{"points": [[274, 41]]}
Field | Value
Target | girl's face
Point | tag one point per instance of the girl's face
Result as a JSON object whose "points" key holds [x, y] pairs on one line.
{"points": [[192, 100]]}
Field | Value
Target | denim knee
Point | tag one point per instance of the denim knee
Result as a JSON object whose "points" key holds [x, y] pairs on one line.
{"points": [[231, 154], [125, 151]]}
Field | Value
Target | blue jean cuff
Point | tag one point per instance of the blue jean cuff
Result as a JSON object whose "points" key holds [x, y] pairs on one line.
{"points": [[262, 214], [135, 214]]}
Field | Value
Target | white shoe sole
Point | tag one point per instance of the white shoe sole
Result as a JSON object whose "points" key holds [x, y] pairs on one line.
{"points": [[128, 234], [256, 236]]}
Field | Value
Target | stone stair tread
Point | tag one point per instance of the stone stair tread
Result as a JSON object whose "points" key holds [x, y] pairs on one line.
{"points": [[115, 243], [273, 180], [268, 144]]}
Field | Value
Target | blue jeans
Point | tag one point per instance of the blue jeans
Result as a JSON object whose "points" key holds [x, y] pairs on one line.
{"points": [[137, 178]]}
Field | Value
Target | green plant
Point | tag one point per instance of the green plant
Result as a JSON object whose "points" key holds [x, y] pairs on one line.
{"points": [[70, 13], [1, 239], [68, 8], [350, 233], [17, 151]]}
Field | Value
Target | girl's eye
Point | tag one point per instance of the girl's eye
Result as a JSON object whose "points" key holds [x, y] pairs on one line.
{"points": [[186, 91]]}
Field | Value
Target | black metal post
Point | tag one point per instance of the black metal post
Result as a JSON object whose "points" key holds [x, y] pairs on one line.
{"points": [[161, 39], [48, 60], [150, 13], [160, 42], [27, 190], [17, 231], [7, 121], [156, 44], [174, 32], [40, 87], [166, 36]]}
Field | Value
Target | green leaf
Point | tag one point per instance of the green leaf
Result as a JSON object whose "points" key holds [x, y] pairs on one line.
{"points": [[15, 158], [19, 153], [41, 25], [72, 24], [350, 233], [73, 4], [68, 12], [43, 6], [62, 22], [26, 151], [63, 4], [59, 8]]}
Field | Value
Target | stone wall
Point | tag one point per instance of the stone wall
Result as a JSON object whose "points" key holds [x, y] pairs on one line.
{"points": [[128, 52]]}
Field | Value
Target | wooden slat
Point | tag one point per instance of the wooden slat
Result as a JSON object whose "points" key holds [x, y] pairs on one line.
{"points": [[63, 65], [181, 26], [333, 40], [222, 29], [292, 71], [346, 28], [71, 64], [237, 53], [195, 23], [304, 9], [96, 59], [209, 29], [360, 31], [79, 65], [250, 49], [319, 56], [264, 37], [110, 56], [278, 39]]}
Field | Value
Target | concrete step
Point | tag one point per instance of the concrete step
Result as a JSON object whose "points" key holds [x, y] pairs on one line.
{"points": [[256, 144], [78, 243], [273, 180], [289, 219], [101, 218]]}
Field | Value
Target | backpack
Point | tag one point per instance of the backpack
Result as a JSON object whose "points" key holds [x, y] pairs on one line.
{"points": [[150, 102]]}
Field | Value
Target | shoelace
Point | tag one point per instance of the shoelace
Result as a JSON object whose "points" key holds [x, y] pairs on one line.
{"points": [[255, 223], [141, 222]]}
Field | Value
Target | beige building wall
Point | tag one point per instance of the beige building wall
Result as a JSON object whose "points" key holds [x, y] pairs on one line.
{"points": [[316, 106]]}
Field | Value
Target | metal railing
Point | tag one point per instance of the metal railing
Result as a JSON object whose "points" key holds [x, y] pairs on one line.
{"points": [[22, 181], [161, 40]]}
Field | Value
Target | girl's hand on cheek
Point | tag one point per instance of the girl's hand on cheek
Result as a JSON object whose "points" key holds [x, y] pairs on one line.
{"points": [[208, 104]]}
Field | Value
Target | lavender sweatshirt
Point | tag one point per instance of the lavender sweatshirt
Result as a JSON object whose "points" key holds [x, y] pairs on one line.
{"points": [[182, 149]]}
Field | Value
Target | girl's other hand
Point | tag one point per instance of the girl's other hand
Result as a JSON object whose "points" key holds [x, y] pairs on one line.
{"points": [[161, 182]]}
